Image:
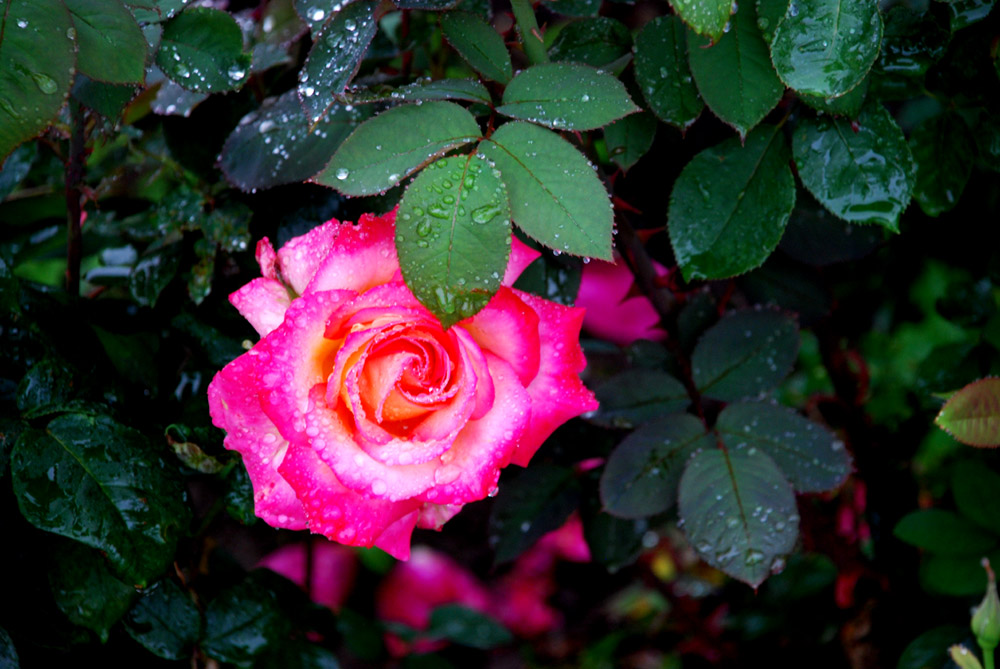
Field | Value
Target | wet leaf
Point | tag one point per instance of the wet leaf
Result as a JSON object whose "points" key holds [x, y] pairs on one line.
{"points": [[172, 100], [467, 627], [745, 354], [966, 12], [98, 482], [636, 396], [108, 100], [912, 42], [202, 50], [86, 590], [613, 542], [972, 415], [809, 455], [385, 149], [739, 513], [479, 44], [152, 274], [8, 654], [335, 57], [453, 236], [769, 15], [974, 487], [34, 82], [642, 474], [566, 96], [16, 167], [734, 76], [944, 533], [816, 237], [629, 139], [593, 41], [48, 385], [165, 621], [555, 196], [705, 17], [110, 46], [241, 622], [662, 72], [730, 205], [826, 47], [316, 12], [863, 175], [274, 145], [155, 10], [944, 150], [848, 104], [535, 502], [441, 89]]}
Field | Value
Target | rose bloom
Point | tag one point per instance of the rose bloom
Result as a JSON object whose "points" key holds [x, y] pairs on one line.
{"points": [[334, 568], [360, 417], [616, 310]]}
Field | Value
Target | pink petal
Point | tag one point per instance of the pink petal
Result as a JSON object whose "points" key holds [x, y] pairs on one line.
{"points": [[521, 255], [508, 328], [611, 314], [359, 257], [267, 259], [557, 394], [343, 515], [263, 302], [301, 257], [333, 569], [235, 408]]}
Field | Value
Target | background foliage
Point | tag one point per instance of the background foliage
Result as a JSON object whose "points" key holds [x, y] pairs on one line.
{"points": [[817, 177]]}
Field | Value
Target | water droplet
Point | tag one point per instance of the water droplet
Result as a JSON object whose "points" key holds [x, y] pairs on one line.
{"points": [[317, 15], [21, 23], [424, 228], [342, 174], [45, 83]]}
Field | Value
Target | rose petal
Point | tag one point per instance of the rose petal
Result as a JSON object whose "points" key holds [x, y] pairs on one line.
{"points": [[263, 302], [508, 328], [611, 314], [333, 569], [343, 515], [359, 256], [267, 259], [235, 408], [557, 394], [521, 255]]}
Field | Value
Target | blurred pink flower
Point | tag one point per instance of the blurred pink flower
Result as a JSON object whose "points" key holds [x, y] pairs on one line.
{"points": [[333, 569], [616, 311], [413, 589]]}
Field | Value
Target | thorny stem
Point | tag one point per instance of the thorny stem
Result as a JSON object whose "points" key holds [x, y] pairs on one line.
{"points": [[527, 25], [74, 178]]}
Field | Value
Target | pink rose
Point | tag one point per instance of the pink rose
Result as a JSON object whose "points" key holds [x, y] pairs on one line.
{"points": [[358, 416], [413, 589], [616, 310], [333, 569]]}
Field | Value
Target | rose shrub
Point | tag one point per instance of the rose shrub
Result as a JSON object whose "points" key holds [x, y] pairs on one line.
{"points": [[358, 416]]}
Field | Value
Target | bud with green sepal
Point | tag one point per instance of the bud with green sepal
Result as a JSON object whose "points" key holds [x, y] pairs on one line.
{"points": [[965, 659], [986, 618]]}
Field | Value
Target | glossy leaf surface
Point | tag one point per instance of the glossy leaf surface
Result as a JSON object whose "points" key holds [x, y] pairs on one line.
{"points": [[110, 46], [663, 74], [479, 44], [202, 50], [706, 17]]}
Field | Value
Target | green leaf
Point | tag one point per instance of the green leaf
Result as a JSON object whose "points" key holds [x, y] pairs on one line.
{"points": [[810, 456], [8, 653], [165, 621], [385, 149], [202, 50], [453, 236], [316, 12], [593, 41], [538, 500], [554, 278], [955, 575], [735, 77], [769, 15], [848, 104], [739, 513], [108, 100], [613, 542], [566, 96], [46, 386], [745, 354], [930, 649], [172, 100], [467, 627], [86, 591], [944, 533], [730, 205], [335, 57], [912, 42], [241, 622], [274, 145], [629, 139], [93, 480], [705, 17], [239, 496], [34, 81], [642, 474], [444, 89], [966, 12], [815, 237], [862, 175], [972, 415], [16, 168], [944, 150], [662, 72], [636, 396], [574, 7], [155, 10], [110, 46], [301, 654], [555, 196], [974, 487], [826, 47], [479, 44], [152, 274], [10, 430]]}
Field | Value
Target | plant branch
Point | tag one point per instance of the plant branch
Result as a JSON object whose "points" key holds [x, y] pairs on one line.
{"points": [[531, 37]]}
